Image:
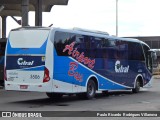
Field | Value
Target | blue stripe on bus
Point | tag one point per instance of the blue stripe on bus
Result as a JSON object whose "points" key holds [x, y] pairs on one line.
{"points": [[37, 68]]}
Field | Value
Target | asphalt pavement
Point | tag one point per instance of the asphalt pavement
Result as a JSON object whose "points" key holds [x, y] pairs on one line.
{"points": [[148, 99]]}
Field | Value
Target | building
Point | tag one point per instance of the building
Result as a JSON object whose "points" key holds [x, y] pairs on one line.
{"points": [[152, 41]]}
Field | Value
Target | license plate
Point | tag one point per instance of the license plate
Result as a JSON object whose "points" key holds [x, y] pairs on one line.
{"points": [[23, 86]]}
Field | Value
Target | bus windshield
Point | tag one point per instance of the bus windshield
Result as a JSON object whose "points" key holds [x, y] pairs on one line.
{"points": [[28, 38]]}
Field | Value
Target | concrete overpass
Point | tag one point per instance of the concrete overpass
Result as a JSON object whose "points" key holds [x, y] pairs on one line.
{"points": [[22, 7]]}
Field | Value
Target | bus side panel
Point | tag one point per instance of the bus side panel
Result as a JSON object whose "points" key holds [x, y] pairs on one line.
{"points": [[73, 66], [62, 82], [72, 76], [116, 65]]}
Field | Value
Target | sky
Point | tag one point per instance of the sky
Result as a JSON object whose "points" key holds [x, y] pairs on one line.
{"points": [[135, 17]]}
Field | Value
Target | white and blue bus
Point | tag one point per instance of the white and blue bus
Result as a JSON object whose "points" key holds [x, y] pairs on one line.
{"points": [[74, 61]]}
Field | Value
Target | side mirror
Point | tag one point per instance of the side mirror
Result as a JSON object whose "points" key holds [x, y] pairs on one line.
{"points": [[154, 55]]}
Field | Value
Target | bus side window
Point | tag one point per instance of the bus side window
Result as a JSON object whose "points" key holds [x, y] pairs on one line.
{"points": [[100, 46], [62, 39], [140, 52], [135, 51], [122, 49], [147, 57]]}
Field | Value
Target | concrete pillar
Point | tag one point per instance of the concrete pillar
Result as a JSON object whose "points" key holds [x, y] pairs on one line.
{"points": [[38, 13], [25, 10], [4, 26]]}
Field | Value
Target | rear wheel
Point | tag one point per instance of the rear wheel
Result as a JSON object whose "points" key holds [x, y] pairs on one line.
{"points": [[55, 96], [137, 87], [91, 89]]}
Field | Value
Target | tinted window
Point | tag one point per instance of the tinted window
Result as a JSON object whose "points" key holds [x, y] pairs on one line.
{"points": [[146, 49], [93, 47], [104, 47], [148, 57], [82, 43], [135, 51], [122, 47], [61, 40], [28, 38]]}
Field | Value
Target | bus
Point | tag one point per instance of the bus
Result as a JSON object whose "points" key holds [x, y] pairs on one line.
{"points": [[74, 61]]}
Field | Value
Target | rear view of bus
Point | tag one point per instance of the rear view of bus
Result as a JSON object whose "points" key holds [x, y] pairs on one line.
{"points": [[25, 60]]}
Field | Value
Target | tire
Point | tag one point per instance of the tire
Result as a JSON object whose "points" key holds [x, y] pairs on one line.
{"points": [[137, 87], [91, 89], [55, 96]]}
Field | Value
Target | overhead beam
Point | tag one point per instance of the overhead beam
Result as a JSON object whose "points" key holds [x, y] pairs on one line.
{"points": [[16, 5], [10, 1], [45, 2], [55, 2], [10, 13]]}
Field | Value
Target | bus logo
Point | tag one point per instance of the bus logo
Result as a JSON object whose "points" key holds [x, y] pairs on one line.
{"points": [[120, 68], [20, 61], [79, 56], [72, 71]]}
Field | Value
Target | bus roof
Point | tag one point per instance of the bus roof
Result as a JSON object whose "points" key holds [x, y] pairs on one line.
{"points": [[31, 28], [98, 34], [82, 31]]}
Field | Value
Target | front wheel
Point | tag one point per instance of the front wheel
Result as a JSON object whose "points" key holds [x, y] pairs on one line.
{"points": [[137, 87]]}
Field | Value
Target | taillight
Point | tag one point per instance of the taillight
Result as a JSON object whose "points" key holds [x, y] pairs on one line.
{"points": [[46, 75], [5, 74]]}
